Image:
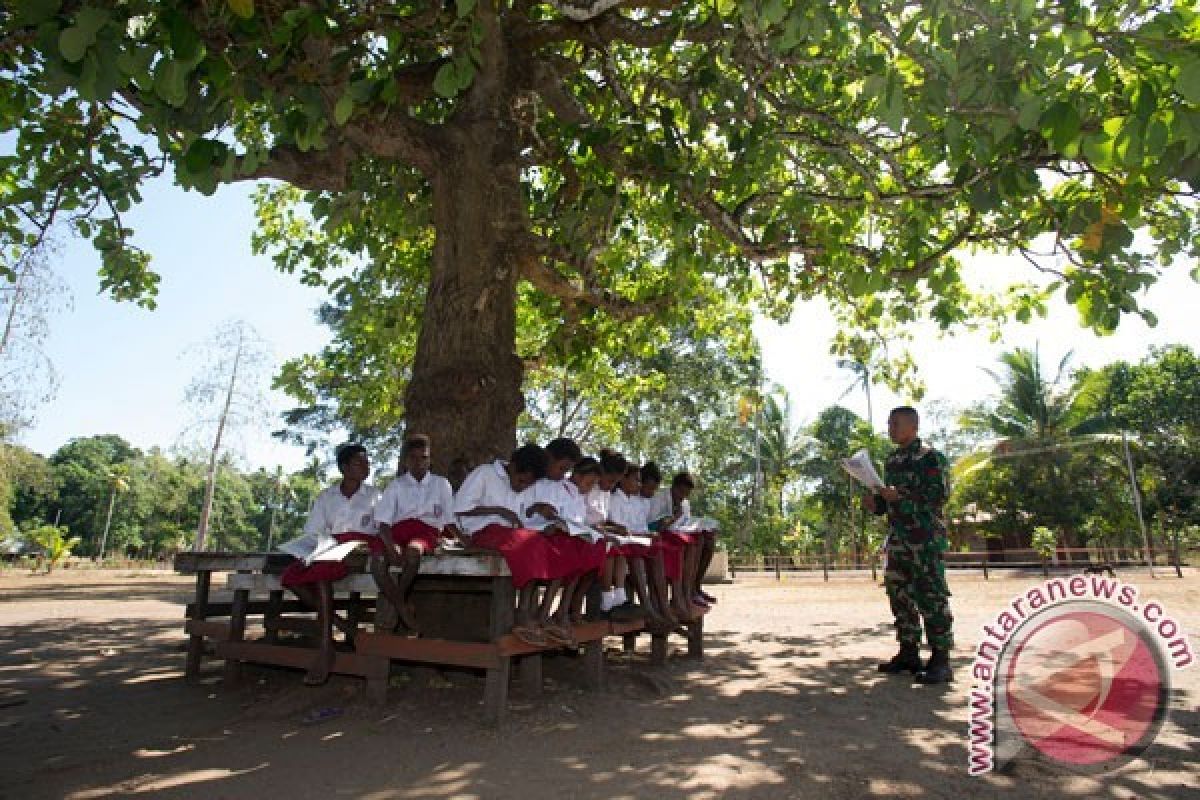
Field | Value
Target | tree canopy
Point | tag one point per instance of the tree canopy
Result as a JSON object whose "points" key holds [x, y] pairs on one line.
{"points": [[604, 160]]}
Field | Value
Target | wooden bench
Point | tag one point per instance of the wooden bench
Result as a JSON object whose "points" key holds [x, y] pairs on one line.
{"points": [[465, 601]]}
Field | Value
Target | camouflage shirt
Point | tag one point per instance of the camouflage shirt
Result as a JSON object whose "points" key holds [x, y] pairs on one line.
{"points": [[919, 474]]}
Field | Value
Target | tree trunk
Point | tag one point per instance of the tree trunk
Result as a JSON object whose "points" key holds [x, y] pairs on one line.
{"points": [[465, 389], [210, 483]]}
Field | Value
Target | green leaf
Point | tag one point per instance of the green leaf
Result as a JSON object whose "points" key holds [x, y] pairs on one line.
{"points": [[73, 44], [1188, 81], [464, 7], [774, 11], [445, 82], [1029, 110], [1061, 124], [343, 109], [170, 83], [242, 8]]}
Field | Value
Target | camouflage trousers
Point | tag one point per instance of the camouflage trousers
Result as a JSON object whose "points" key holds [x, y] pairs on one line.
{"points": [[915, 580]]}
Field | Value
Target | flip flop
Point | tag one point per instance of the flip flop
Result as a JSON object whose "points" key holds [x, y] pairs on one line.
{"points": [[560, 634], [530, 635]]}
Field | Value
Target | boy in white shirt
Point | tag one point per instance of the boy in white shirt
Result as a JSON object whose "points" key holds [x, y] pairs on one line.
{"points": [[345, 512], [415, 511]]}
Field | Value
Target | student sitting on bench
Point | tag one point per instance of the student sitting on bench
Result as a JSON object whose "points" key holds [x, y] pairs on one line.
{"points": [[556, 500], [489, 507], [341, 513], [415, 511], [664, 511], [627, 512]]}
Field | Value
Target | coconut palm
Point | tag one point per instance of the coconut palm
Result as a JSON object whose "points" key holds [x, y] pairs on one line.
{"points": [[777, 448]]}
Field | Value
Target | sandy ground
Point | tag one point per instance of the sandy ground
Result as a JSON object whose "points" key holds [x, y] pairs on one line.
{"points": [[787, 704]]}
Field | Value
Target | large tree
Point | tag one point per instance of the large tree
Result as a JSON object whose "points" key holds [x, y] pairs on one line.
{"points": [[607, 154]]}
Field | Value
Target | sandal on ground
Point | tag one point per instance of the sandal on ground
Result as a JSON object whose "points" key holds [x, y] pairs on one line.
{"points": [[560, 634], [530, 635]]}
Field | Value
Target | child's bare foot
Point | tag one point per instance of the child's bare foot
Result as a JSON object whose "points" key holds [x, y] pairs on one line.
{"points": [[318, 673], [531, 634], [408, 616]]}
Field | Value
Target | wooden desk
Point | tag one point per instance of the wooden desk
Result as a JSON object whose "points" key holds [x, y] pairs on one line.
{"points": [[464, 600]]}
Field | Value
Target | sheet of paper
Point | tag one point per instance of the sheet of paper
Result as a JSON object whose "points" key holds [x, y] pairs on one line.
{"points": [[300, 547], [539, 523], [333, 551], [694, 525], [862, 470]]}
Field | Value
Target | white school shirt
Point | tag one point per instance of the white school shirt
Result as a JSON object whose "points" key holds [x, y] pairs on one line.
{"points": [[658, 506], [333, 512], [627, 511], [430, 500], [487, 485], [561, 495], [596, 505]]}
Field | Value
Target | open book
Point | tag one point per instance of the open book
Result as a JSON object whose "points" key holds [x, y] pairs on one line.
{"points": [[621, 539], [694, 525], [862, 470], [540, 523], [310, 548]]}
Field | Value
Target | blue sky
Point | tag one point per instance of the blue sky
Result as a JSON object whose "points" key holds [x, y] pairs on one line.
{"points": [[123, 369]]}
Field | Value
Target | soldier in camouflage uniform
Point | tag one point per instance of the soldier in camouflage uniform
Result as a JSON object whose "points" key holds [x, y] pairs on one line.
{"points": [[915, 575]]}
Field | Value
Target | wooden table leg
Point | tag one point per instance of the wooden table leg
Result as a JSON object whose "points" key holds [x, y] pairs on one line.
{"points": [[237, 633], [531, 674], [354, 615], [195, 648], [274, 610], [500, 622], [593, 664], [695, 642], [658, 648]]}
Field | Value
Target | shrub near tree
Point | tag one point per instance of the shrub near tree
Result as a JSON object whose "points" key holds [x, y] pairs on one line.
{"points": [[600, 161]]}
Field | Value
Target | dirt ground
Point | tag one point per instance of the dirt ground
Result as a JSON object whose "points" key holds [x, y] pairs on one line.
{"points": [[786, 704]]}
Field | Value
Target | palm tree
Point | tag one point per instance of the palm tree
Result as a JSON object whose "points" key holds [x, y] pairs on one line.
{"points": [[1036, 418], [778, 448], [1034, 409], [862, 372]]}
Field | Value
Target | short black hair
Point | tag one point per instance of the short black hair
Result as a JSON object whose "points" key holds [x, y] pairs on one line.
{"points": [[612, 462], [651, 473], [416, 441], [530, 459], [683, 479], [347, 452], [633, 469], [907, 411], [563, 447], [587, 466]]}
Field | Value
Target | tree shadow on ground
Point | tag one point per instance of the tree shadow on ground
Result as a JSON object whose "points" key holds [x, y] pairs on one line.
{"points": [[102, 711]]}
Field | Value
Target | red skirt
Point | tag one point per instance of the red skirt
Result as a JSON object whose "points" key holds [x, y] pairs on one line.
{"points": [[414, 531], [297, 574], [530, 555], [582, 556], [671, 546], [680, 538]]}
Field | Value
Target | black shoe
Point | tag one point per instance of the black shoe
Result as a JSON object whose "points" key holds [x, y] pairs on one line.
{"points": [[937, 670], [907, 660]]}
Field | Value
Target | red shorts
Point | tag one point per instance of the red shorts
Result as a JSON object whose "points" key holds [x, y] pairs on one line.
{"points": [[297, 574], [530, 555], [414, 531]]}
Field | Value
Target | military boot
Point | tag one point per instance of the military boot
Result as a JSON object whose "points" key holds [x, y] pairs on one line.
{"points": [[937, 670], [907, 660]]}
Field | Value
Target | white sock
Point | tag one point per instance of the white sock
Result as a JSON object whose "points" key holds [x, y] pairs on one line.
{"points": [[619, 598], [606, 600]]}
